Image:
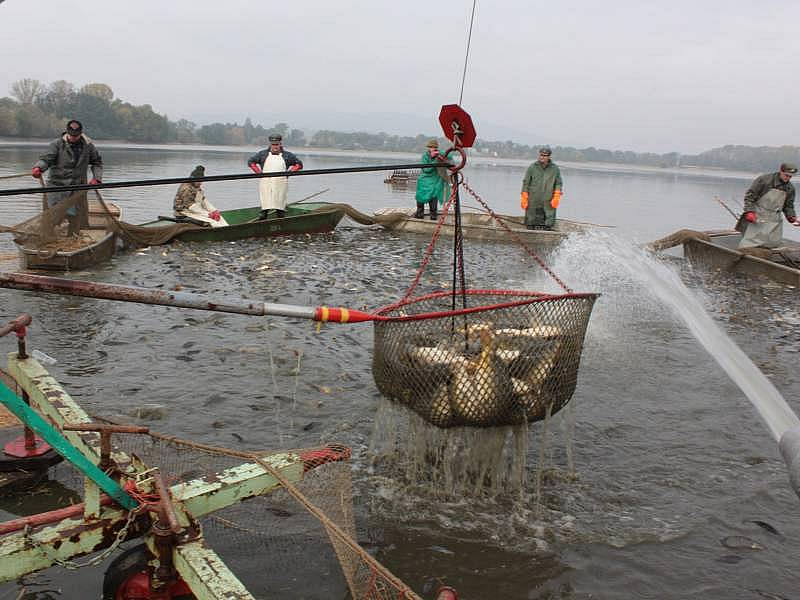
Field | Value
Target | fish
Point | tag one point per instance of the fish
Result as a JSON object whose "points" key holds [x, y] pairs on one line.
{"points": [[765, 526], [739, 542], [536, 331]]}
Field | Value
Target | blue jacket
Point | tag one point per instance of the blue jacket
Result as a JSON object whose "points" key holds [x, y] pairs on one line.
{"points": [[288, 157]]}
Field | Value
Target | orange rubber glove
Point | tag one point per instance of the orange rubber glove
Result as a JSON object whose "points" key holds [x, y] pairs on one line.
{"points": [[556, 199], [523, 200]]}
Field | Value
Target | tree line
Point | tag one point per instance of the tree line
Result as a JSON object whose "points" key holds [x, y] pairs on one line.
{"points": [[37, 110]]}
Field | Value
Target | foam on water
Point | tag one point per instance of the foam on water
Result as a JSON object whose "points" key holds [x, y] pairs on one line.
{"points": [[597, 258]]}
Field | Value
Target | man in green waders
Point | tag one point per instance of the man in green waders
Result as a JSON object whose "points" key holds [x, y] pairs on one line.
{"points": [[541, 192], [768, 196], [430, 184]]}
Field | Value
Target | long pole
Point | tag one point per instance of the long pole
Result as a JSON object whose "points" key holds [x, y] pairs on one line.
{"points": [[229, 177], [127, 293]]}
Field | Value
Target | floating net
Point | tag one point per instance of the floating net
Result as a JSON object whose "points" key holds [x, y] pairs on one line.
{"points": [[503, 362]]}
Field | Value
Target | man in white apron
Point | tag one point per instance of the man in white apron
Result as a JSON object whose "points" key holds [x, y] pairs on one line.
{"points": [[768, 196], [273, 190], [191, 204]]}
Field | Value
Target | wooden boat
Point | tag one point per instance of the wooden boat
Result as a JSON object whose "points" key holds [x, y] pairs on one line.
{"points": [[306, 217], [94, 245], [481, 226], [402, 177], [719, 250]]}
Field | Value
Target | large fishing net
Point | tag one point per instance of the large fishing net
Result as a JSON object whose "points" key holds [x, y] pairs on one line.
{"points": [[480, 358]]}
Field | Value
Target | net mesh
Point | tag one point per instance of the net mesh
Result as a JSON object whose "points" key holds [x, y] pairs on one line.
{"points": [[502, 362]]}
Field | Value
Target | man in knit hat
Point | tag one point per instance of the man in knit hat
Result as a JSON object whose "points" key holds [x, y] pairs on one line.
{"points": [[192, 206], [66, 161], [541, 192]]}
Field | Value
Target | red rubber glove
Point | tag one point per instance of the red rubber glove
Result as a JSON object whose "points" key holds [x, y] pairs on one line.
{"points": [[295, 168], [750, 217], [94, 181], [523, 200], [794, 221], [36, 172], [214, 214], [254, 167], [556, 199]]}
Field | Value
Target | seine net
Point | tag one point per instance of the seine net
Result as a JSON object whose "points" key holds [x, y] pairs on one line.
{"points": [[503, 362]]}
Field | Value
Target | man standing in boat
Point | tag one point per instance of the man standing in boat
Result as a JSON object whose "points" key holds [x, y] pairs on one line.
{"points": [[430, 184], [768, 196], [68, 158], [191, 205], [541, 192], [273, 190]]}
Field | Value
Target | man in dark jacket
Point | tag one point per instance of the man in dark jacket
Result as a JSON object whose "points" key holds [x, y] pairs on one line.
{"points": [[273, 191], [68, 159], [769, 196]]}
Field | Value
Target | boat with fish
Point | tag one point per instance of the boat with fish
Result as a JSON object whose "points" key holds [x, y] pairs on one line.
{"points": [[402, 177], [482, 226], [92, 245], [719, 250], [301, 217]]}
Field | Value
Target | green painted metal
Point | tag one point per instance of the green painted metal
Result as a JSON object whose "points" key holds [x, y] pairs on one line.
{"points": [[50, 435], [203, 496], [312, 217], [52, 401]]}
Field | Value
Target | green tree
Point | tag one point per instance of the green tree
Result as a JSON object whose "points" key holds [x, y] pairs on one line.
{"points": [[100, 90]]}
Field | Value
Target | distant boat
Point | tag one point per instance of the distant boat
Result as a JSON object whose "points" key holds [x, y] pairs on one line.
{"points": [[301, 217], [481, 226], [92, 246], [402, 177]]}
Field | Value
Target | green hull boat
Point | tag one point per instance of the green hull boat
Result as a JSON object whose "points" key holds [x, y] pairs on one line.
{"points": [[306, 217]]}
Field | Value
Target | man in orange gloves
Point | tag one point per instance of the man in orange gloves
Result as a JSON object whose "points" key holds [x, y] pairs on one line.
{"points": [[541, 192], [769, 196]]}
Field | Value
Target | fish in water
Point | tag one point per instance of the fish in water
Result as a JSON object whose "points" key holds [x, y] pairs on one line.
{"points": [[765, 526], [738, 542]]}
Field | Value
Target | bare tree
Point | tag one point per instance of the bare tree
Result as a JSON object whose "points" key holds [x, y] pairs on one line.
{"points": [[27, 90]]}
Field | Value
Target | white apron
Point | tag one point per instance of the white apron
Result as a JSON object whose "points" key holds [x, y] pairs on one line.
{"points": [[200, 209], [273, 190], [767, 231]]}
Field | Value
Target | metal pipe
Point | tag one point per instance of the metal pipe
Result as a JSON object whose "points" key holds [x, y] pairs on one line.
{"points": [[166, 512], [126, 293], [231, 177]]}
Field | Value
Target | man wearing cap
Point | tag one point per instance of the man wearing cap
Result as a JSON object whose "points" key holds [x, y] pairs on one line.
{"points": [[192, 206], [67, 159], [430, 184], [541, 192], [768, 196], [273, 190]]}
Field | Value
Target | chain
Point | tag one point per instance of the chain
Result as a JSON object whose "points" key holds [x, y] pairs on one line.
{"points": [[72, 565], [517, 239]]}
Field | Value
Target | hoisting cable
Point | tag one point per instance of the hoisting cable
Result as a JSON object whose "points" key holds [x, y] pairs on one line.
{"points": [[231, 177], [466, 56]]}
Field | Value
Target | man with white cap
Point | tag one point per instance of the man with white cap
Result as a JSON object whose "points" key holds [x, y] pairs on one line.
{"points": [[768, 196], [273, 190]]}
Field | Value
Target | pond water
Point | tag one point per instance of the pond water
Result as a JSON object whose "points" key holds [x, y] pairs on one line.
{"points": [[670, 458]]}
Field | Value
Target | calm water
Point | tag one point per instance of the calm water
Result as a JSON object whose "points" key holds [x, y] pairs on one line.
{"points": [[670, 456]]}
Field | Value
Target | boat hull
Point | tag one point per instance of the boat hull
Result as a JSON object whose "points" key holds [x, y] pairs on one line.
{"points": [[82, 258], [482, 227], [720, 253], [316, 217]]}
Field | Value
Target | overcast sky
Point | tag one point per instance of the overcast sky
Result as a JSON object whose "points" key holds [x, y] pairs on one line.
{"points": [[646, 76]]}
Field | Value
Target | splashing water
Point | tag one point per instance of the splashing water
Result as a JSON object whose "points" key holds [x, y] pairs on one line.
{"points": [[665, 284]]}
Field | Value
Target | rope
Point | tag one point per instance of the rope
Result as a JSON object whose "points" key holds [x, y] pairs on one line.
{"points": [[466, 57], [231, 177], [517, 239], [431, 245], [15, 175]]}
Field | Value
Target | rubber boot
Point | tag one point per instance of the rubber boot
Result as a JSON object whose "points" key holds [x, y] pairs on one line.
{"points": [[432, 205], [279, 214], [263, 214], [73, 226], [420, 211]]}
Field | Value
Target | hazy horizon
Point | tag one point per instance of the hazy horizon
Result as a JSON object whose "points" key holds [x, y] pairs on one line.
{"points": [[682, 77]]}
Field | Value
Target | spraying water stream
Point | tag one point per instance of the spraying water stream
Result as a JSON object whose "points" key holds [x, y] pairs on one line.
{"points": [[665, 284]]}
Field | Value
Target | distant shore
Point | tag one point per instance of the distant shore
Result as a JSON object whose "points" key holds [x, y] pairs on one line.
{"points": [[477, 160]]}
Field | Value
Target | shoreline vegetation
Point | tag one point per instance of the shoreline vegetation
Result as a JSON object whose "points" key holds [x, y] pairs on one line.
{"points": [[39, 111]]}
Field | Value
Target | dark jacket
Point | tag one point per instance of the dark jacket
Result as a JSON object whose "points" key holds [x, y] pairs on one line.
{"points": [[288, 157], [764, 183], [66, 169]]}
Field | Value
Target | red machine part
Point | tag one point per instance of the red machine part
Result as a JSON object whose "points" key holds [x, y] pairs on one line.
{"points": [[446, 593], [26, 446], [456, 122], [137, 587]]}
